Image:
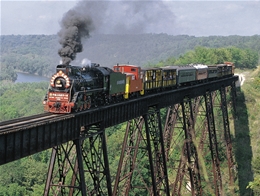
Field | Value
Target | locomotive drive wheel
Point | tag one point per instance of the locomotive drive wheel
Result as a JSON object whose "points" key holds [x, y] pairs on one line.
{"points": [[80, 104], [87, 102], [80, 107], [76, 109], [85, 106]]}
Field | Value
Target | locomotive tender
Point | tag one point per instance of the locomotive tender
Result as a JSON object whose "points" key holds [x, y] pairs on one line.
{"points": [[75, 88]]}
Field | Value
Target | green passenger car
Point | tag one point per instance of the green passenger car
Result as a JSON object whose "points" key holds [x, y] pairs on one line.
{"points": [[185, 74], [212, 71]]}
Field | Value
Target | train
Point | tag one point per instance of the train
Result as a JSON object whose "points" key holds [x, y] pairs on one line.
{"points": [[79, 88]]}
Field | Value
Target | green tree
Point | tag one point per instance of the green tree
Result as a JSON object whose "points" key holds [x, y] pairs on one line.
{"points": [[12, 189], [243, 58]]}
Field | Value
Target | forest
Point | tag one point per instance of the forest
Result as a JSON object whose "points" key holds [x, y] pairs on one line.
{"points": [[37, 53]]}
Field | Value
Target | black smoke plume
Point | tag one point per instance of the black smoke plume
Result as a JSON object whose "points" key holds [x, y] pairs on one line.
{"points": [[75, 25], [111, 17]]}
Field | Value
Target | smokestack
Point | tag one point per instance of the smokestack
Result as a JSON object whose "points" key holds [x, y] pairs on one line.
{"points": [[75, 25]]}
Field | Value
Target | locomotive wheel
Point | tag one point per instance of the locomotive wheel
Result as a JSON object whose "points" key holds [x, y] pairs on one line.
{"points": [[87, 103], [76, 109], [81, 107], [85, 106]]}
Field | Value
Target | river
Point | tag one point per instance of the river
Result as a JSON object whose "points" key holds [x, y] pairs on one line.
{"points": [[25, 77]]}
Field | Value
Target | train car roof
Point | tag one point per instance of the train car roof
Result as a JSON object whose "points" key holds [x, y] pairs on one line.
{"points": [[183, 67], [151, 68], [126, 65], [221, 65], [169, 68], [212, 66], [200, 66]]}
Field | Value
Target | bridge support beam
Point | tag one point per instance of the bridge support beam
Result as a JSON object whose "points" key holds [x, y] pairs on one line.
{"points": [[143, 141], [175, 144], [213, 144], [196, 120], [127, 163], [180, 135], [62, 162], [190, 150], [156, 152], [76, 161], [171, 120], [234, 96], [227, 134]]}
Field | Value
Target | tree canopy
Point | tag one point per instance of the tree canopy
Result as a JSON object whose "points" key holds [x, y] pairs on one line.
{"points": [[242, 58]]}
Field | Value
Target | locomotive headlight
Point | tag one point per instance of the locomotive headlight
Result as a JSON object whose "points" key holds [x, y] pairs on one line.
{"points": [[58, 82]]}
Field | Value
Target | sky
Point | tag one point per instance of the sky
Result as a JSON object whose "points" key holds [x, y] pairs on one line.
{"points": [[197, 18]]}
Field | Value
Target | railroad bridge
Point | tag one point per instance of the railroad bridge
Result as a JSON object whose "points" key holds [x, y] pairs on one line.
{"points": [[173, 144]]}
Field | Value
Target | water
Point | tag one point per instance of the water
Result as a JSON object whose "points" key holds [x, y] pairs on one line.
{"points": [[25, 77]]}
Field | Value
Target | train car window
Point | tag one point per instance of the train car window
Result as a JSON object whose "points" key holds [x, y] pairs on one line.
{"points": [[141, 74], [117, 69], [133, 70], [154, 75]]}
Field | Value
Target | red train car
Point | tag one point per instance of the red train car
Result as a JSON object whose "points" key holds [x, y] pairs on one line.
{"points": [[134, 79]]}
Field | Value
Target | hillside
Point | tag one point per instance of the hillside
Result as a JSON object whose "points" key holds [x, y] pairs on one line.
{"points": [[38, 54]]}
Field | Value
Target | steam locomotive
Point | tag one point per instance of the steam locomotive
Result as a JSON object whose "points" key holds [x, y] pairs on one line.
{"points": [[75, 88]]}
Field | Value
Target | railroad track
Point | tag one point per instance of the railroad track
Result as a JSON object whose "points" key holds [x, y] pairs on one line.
{"points": [[24, 122]]}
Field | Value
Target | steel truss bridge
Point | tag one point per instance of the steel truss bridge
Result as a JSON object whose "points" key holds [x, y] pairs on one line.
{"points": [[173, 144]]}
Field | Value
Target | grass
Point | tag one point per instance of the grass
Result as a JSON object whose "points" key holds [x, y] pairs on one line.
{"points": [[246, 132]]}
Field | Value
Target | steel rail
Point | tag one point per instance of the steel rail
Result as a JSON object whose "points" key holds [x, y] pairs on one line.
{"points": [[29, 121], [17, 120]]}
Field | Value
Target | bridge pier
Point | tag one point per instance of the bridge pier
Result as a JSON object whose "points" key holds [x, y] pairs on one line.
{"points": [[213, 144], [155, 146], [62, 160], [190, 150], [204, 140], [149, 143], [80, 160], [228, 140], [187, 177], [127, 163]]}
